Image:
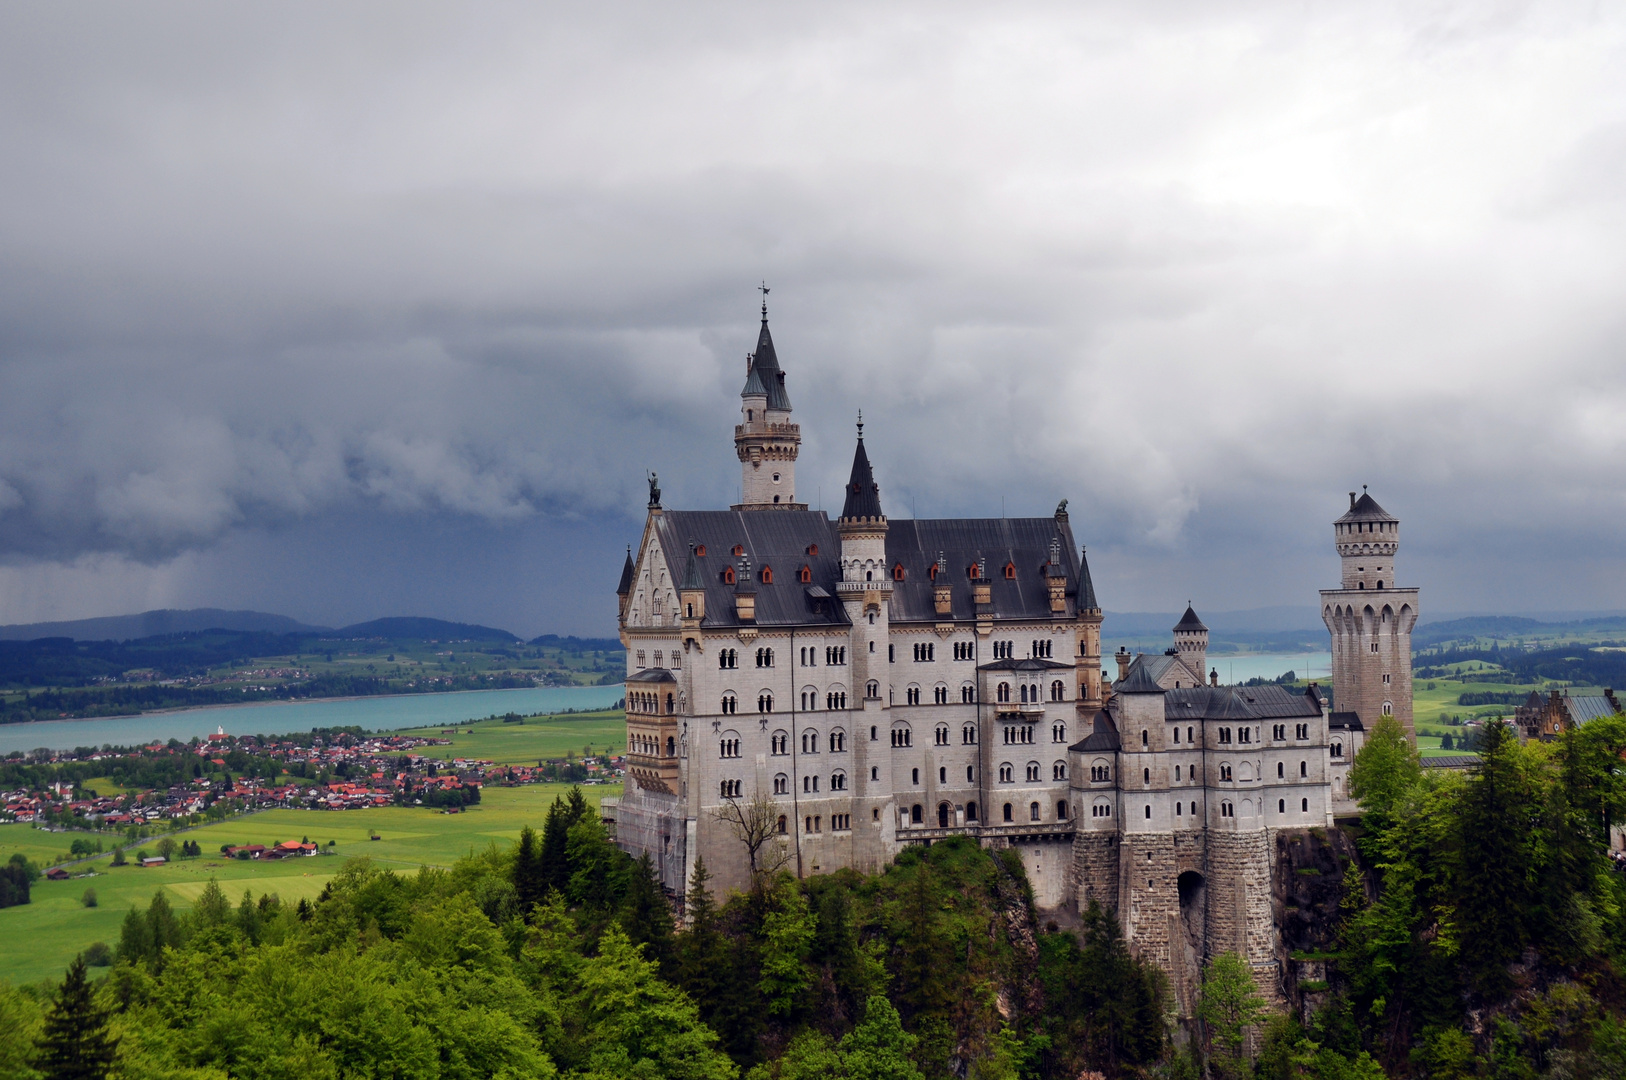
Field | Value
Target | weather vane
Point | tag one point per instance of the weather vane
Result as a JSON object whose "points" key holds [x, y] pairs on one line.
{"points": [[764, 290]]}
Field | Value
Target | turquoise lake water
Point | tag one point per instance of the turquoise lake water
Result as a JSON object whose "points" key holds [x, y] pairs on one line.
{"points": [[281, 718]]}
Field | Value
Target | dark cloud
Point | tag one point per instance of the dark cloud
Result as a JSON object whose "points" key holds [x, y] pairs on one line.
{"points": [[373, 309]]}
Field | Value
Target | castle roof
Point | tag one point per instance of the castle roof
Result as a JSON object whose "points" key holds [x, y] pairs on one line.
{"points": [[652, 674], [1103, 739], [764, 369], [1138, 681], [691, 573], [1238, 703], [863, 493], [784, 541], [1189, 622], [1365, 508], [1027, 664]]}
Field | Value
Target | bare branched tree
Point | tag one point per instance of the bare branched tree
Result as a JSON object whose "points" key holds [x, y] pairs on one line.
{"points": [[755, 823]]}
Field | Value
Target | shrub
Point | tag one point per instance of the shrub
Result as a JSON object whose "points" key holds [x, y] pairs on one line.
{"points": [[118, 856], [89, 900], [97, 954]]}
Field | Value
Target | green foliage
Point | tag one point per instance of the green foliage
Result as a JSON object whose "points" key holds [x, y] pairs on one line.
{"points": [[74, 1042], [1386, 768], [1229, 1004], [787, 940], [1104, 1008]]}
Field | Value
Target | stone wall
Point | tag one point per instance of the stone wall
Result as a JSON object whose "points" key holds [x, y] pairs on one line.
{"points": [[1240, 918], [1095, 869]]}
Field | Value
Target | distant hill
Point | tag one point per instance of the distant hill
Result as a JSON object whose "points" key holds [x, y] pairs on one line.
{"points": [[577, 644], [438, 629], [158, 623]]}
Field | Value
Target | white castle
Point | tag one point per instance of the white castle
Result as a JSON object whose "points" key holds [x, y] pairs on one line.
{"points": [[887, 683]]}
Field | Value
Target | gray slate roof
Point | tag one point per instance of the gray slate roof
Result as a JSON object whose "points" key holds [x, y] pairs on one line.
{"points": [[627, 570], [781, 539], [863, 493], [1588, 707], [765, 370], [1451, 761], [1238, 703], [652, 674], [1086, 587], [1189, 621], [1103, 739], [1365, 508], [1138, 681]]}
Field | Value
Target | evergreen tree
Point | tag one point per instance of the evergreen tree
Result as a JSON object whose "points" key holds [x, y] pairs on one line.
{"points": [[530, 882], [647, 918], [135, 939], [249, 923], [1499, 816], [75, 1044], [787, 938], [923, 985], [879, 1048], [555, 847], [212, 908], [1230, 1003], [1386, 768]]}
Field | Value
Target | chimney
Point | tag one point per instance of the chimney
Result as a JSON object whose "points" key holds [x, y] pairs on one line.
{"points": [[1352, 500], [980, 591], [942, 593], [745, 593], [1123, 658], [1213, 677]]}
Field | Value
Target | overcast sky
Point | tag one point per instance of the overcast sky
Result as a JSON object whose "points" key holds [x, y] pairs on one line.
{"points": [[344, 311]]}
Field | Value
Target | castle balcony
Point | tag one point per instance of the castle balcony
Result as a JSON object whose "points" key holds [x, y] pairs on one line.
{"points": [[1026, 710], [1015, 833], [789, 431], [858, 588]]}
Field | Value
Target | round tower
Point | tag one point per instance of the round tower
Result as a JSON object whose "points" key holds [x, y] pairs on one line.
{"points": [[765, 439], [1191, 642]]}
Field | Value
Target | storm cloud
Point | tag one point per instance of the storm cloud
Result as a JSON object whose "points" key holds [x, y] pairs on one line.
{"points": [[362, 310]]}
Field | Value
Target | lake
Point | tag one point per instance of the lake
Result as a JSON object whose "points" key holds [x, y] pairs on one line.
{"points": [[284, 717], [1240, 667]]}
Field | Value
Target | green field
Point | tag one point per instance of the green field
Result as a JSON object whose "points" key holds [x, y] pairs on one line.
{"points": [[43, 936], [537, 738]]}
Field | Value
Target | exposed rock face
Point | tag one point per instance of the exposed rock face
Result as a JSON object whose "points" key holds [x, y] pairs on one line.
{"points": [[1308, 883]]}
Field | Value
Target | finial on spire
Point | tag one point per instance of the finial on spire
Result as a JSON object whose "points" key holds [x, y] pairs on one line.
{"points": [[860, 425], [763, 289]]}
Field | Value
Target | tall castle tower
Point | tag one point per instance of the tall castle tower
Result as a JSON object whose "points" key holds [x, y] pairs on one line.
{"points": [[1370, 618], [767, 442]]}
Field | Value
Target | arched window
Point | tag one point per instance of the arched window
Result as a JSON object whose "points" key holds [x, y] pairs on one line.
{"points": [[1008, 812], [1010, 571], [1304, 768], [767, 575], [1281, 806], [1388, 708], [1304, 805], [897, 572], [1337, 749], [781, 784], [1004, 694], [781, 824], [1032, 771], [765, 702], [968, 735], [739, 549], [971, 811], [1058, 691], [838, 781], [813, 549], [940, 735], [917, 815], [730, 704], [1033, 811], [1058, 770], [1143, 737], [728, 575], [872, 690], [1007, 773], [1061, 810], [838, 741], [1148, 810], [805, 574]]}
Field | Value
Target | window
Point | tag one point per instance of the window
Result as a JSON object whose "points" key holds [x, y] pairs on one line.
{"points": [[902, 736], [728, 658], [730, 704], [1304, 806], [781, 743], [1003, 694], [1058, 690], [1100, 774], [810, 701], [968, 694], [1177, 734], [874, 772], [1061, 810], [781, 784], [1337, 749], [1177, 770], [971, 811], [739, 549], [891, 650], [1033, 811], [810, 742], [1301, 731], [765, 702], [914, 777], [872, 689], [835, 655], [1281, 771], [1146, 776], [729, 747], [841, 822], [964, 650], [940, 695], [968, 735], [1244, 735], [728, 575], [1225, 772], [940, 735], [1304, 768], [897, 572], [838, 741], [1007, 773], [1224, 734], [1388, 708], [810, 784], [1033, 771], [1281, 806], [1374, 644], [1148, 809], [805, 575], [916, 815], [641, 659], [1226, 810], [1278, 731], [1385, 678], [767, 575], [912, 695], [813, 549], [925, 651], [764, 658], [1058, 732], [1189, 730], [1010, 571], [1007, 811], [1143, 736], [729, 789], [970, 774], [835, 699], [1058, 771], [1101, 809], [781, 824]]}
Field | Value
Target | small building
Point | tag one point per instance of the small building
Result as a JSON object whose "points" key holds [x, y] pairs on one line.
{"points": [[1546, 718], [56, 873], [154, 860]]}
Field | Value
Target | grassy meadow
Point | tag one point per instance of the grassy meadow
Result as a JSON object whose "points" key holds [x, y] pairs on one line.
{"points": [[539, 737], [43, 936]]}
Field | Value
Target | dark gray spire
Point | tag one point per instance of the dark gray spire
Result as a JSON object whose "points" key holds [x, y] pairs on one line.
{"points": [[765, 368], [1189, 621], [627, 572], [863, 493], [753, 380], [1086, 587], [691, 572]]}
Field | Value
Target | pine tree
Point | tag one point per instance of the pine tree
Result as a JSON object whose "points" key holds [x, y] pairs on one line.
{"points": [[135, 939], [75, 1044], [647, 918], [555, 847], [1229, 1005], [1498, 820], [212, 908], [530, 884]]}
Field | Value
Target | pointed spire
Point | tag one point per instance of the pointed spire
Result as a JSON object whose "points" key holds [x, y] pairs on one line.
{"points": [[627, 572], [863, 493], [754, 386], [691, 573], [766, 364], [1189, 621], [1086, 587]]}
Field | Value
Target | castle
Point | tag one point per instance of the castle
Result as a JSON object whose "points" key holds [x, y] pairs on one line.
{"points": [[878, 683]]}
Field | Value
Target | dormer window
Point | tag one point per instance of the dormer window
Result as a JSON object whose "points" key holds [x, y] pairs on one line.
{"points": [[728, 575], [897, 572], [804, 575], [1010, 571], [931, 571], [767, 575], [813, 549], [700, 552], [739, 549]]}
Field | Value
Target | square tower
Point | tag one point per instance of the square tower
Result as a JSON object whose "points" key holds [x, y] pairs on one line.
{"points": [[1370, 619]]}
